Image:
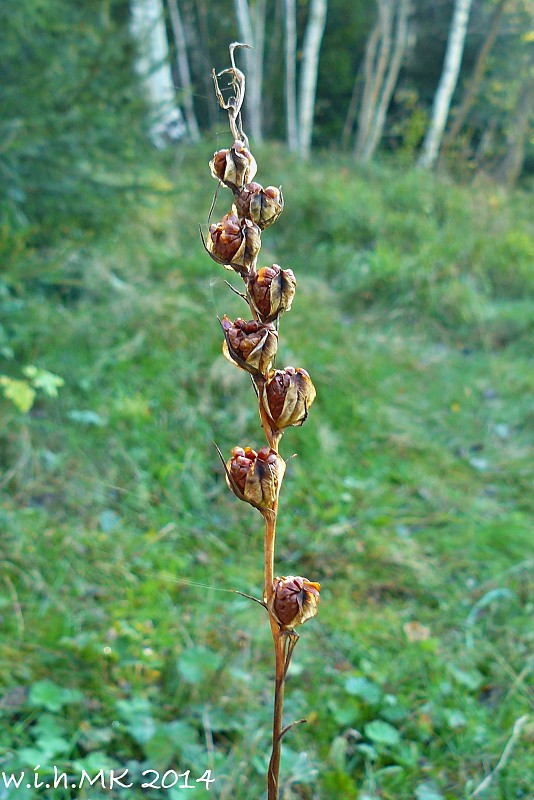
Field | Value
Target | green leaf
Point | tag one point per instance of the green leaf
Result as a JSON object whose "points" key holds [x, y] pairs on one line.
{"points": [[51, 696], [382, 732], [368, 750], [94, 762], [19, 392], [168, 741], [364, 688], [87, 417], [428, 791], [137, 714], [471, 679], [198, 663], [454, 717], [48, 382]]}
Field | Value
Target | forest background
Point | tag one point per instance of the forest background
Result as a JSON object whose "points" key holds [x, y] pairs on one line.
{"points": [[402, 133]]}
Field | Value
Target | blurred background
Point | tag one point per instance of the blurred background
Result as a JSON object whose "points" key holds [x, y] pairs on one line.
{"points": [[402, 134]]}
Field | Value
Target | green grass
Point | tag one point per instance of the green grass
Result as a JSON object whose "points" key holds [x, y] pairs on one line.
{"points": [[122, 642]]}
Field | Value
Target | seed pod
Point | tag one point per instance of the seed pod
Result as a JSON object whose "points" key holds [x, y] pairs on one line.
{"points": [[234, 243], [242, 198], [251, 345], [294, 600], [271, 291], [255, 477], [234, 167], [287, 396], [262, 206]]}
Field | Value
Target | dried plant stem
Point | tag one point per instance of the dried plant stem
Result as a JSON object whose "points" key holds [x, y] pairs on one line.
{"points": [[281, 668], [279, 642], [255, 477]]}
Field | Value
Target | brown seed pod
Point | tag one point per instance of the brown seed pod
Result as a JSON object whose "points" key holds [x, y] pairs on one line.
{"points": [[271, 291], [287, 396], [255, 477], [294, 600], [242, 198], [234, 167], [262, 206], [250, 345], [234, 243]]}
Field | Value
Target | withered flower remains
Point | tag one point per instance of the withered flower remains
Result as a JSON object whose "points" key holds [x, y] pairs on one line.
{"points": [[294, 600], [250, 344], [262, 206], [271, 291], [234, 167], [287, 396], [234, 243], [255, 477]]}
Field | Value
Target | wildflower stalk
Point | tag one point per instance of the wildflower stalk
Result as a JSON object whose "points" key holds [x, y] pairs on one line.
{"points": [[284, 396]]}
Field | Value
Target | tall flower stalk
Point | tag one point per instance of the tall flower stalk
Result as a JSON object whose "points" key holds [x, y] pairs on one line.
{"points": [[284, 395]]}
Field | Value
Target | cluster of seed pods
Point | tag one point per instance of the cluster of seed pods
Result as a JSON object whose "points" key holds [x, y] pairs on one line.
{"points": [[284, 395]]}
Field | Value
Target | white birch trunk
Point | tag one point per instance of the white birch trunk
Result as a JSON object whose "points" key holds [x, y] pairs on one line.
{"points": [[401, 37], [148, 29], [183, 68], [369, 67], [476, 76], [308, 76], [447, 84], [254, 36], [291, 74]]}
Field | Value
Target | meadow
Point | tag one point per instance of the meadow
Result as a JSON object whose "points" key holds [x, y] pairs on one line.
{"points": [[124, 644]]}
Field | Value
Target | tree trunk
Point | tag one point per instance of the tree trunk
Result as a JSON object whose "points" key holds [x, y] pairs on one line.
{"points": [[258, 31], [291, 74], [476, 77], [366, 108], [511, 166], [447, 84], [148, 29], [203, 61], [352, 110], [253, 36], [183, 68], [308, 76], [401, 37]]}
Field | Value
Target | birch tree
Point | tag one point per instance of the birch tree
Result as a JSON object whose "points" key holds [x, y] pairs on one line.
{"points": [[290, 74], [147, 24], [308, 74], [182, 63], [447, 84], [382, 95], [520, 128], [376, 59], [476, 76]]}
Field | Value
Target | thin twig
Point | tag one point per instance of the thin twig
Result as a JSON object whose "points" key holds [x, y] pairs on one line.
{"points": [[506, 753]]}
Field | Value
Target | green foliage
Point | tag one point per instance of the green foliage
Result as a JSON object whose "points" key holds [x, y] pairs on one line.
{"points": [[123, 643], [71, 118], [23, 392]]}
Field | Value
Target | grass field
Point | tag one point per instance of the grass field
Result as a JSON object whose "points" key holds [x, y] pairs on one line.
{"points": [[123, 645]]}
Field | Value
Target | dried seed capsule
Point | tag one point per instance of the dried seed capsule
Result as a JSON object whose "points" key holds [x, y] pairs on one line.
{"points": [[262, 206], [287, 396], [249, 344], [234, 243], [242, 198], [255, 477], [234, 167], [294, 600], [271, 291], [266, 206]]}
